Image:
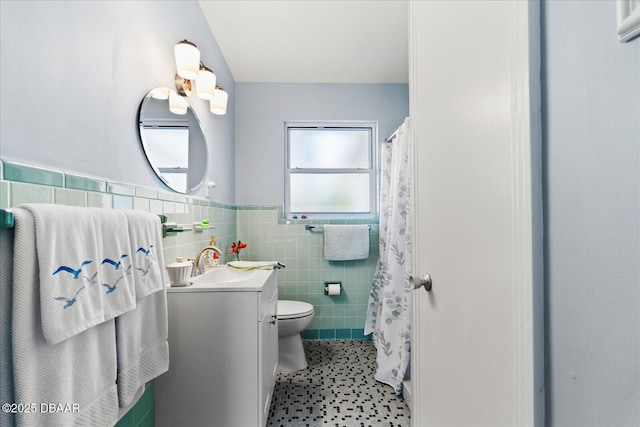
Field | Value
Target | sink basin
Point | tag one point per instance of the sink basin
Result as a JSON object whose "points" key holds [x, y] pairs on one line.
{"points": [[223, 274], [225, 279]]}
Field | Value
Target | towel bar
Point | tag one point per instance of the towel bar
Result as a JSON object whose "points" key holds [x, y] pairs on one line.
{"points": [[313, 228], [6, 219]]}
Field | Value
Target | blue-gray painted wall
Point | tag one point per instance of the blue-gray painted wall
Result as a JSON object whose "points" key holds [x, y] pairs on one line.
{"points": [[73, 74], [591, 134], [262, 109]]}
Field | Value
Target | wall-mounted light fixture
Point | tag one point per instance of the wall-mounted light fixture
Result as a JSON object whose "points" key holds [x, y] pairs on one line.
{"points": [[187, 60], [177, 104], [190, 67], [161, 93], [218, 105]]}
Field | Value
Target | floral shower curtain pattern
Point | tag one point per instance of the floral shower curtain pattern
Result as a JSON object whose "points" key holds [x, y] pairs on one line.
{"points": [[389, 308]]}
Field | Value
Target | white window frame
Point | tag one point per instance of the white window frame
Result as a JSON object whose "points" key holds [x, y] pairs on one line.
{"points": [[372, 126]]}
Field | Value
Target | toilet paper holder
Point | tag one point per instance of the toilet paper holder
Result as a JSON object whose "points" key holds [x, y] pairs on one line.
{"points": [[332, 284]]}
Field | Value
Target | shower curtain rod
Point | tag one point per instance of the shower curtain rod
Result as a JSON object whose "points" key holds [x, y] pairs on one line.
{"points": [[393, 135], [395, 132]]}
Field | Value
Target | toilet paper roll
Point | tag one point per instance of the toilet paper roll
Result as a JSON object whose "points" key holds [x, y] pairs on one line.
{"points": [[333, 289]]}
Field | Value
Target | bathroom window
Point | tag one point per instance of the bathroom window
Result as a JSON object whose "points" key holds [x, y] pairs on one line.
{"points": [[330, 170]]}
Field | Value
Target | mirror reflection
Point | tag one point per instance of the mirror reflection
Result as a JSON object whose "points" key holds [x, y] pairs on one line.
{"points": [[174, 144]]}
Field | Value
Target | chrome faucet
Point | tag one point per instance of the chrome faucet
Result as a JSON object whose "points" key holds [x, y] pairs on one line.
{"points": [[198, 268]]}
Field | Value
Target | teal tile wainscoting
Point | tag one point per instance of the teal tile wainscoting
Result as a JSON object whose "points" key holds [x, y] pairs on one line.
{"points": [[267, 234], [270, 237], [143, 414], [335, 334], [21, 183]]}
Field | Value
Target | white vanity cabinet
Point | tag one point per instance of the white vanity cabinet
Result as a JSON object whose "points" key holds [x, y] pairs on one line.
{"points": [[223, 353], [268, 350]]}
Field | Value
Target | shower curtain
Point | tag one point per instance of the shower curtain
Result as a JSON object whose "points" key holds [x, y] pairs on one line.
{"points": [[389, 307]]}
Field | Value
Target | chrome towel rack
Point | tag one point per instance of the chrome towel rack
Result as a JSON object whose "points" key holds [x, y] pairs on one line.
{"points": [[7, 221], [6, 218], [320, 229]]}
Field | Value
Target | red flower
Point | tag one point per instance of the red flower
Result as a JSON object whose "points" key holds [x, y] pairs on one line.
{"points": [[236, 247]]}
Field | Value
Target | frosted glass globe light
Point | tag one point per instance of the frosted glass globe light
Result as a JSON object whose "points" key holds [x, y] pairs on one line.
{"points": [[177, 104], [206, 83], [160, 93], [187, 60], [219, 102]]}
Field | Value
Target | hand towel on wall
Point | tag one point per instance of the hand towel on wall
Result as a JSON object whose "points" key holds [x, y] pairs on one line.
{"points": [[146, 247], [346, 242], [80, 369], [79, 288]]}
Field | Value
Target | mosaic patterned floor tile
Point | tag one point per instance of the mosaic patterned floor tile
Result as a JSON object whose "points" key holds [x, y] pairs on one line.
{"points": [[337, 389]]}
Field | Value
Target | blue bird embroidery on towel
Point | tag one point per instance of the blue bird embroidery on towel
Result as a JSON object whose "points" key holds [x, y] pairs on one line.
{"points": [[111, 288], [145, 271], [91, 280], [128, 270], [71, 301], [115, 264], [144, 250], [75, 273]]}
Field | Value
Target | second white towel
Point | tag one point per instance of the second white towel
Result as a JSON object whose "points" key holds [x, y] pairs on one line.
{"points": [[346, 242]]}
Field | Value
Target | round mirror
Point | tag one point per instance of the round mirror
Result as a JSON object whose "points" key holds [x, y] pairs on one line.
{"points": [[173, 143]]}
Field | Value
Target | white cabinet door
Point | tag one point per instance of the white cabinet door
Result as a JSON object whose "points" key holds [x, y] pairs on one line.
{"points": [[269, 356]]}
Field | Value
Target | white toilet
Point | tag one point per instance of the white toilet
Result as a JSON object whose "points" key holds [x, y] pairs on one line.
{"points": [[293, 318]]}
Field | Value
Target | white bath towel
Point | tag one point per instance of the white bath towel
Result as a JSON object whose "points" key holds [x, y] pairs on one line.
{"points": [[346, 242], [77, 289], [142, 346], [117, 282], [79, 373], [146, 245], [141, 334]]}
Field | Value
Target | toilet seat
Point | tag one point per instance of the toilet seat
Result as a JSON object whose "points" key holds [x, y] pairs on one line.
{"points": [[293, 309]]}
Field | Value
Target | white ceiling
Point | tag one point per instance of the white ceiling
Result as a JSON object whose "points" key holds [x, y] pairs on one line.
{"points": [[312, 41]]}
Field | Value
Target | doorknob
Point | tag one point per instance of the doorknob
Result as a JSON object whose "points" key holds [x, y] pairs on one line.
{"points": [[425, 281]]}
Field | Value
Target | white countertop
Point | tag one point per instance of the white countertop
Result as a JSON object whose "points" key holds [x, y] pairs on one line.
{"points": [[223, 279]]}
